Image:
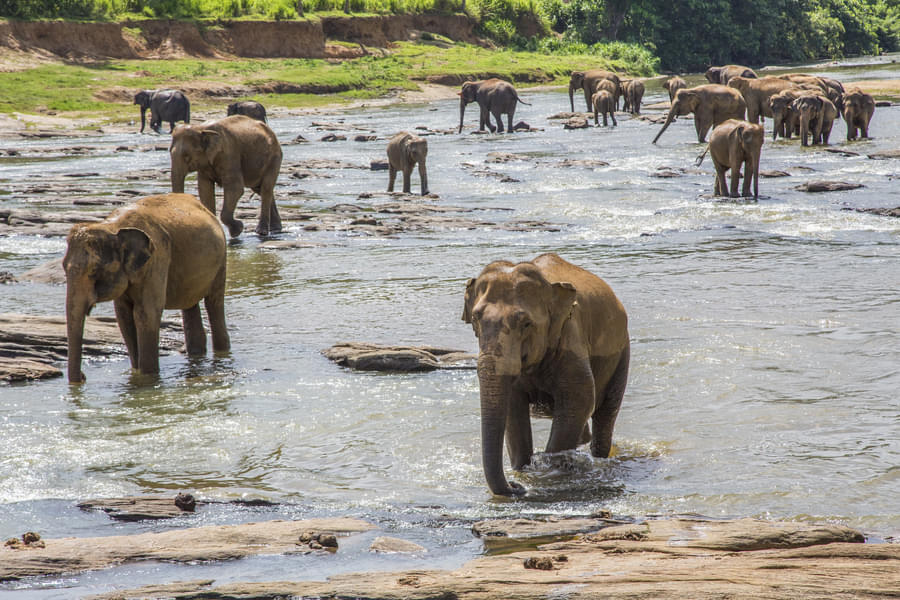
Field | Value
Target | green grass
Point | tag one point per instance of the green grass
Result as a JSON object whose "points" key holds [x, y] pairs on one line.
{"points": [[80, 90]]}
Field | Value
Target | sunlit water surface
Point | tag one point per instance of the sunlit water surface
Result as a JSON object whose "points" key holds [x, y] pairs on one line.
{"points": [[765, 349]]}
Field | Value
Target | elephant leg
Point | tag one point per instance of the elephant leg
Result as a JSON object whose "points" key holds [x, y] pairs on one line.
{"points": [[206, 189], [215, 311], [864, 130], [423, 177], [735, 178], [612, 115], [519, 442], [485, 120], [171, 126], [608, 402], [700, 128], [125, 319], [407, 177], [146, 320], [509, 119], [392, 176], [574, 402], [194, 335], [269, 219], [233, 192], [748, 178], [498, 116], [719, 188]]}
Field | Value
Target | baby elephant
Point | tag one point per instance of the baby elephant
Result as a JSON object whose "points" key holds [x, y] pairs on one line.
{"points": [[404, 150], [162, 252], [604, 104], [732, 143], [248, 108]]}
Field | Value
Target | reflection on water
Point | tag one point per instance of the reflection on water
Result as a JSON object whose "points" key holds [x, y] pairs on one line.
{"points": [[765, 345]]}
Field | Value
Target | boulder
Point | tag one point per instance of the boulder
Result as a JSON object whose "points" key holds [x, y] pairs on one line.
{"points": [[391, 545], [885, 155], [141, 508], [576, 123], [376, 357], [828, 186]]}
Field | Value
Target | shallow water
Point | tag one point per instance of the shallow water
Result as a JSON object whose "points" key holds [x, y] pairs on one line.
{"points": [[765, 349]]}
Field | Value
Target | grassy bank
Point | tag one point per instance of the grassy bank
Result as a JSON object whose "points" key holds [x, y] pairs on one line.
{"points": [[106, 88]]}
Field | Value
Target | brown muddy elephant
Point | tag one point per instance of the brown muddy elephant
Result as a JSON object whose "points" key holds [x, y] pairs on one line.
{"points": [[162, 252], [404, 151], [711, 104], [164, 105], [833, 88], [495, 97], [816, 114], [858, 109], [604, 104], [672, 85], [732, 144], [756, 93], [235, 152], [587, 81], [785, 119], [633, 92], [248, 108], [722, 75], [552, 335]]}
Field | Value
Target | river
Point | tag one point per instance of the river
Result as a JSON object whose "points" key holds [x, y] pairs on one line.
{"points": [[765, 347]]}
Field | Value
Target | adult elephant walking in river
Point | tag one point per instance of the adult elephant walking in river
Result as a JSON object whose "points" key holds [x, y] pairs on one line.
{"points": [[164, 105], [495, 97], [235, 152], [554, 337], [587, 82], [162, 252], [711, 104]]}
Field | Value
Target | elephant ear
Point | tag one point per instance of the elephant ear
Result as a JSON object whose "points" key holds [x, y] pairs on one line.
{"points": [[562, 303], [211, 142], [470, 297], [136, 249]]}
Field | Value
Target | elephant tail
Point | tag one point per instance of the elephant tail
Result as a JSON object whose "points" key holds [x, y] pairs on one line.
{"points": [[522, 101], [700, 158]]}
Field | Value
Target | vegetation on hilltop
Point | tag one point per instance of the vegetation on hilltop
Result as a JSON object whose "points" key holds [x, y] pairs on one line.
{"points": [[684, 35]]}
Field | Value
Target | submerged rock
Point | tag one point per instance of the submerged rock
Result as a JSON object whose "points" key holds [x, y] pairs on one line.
{"points": [[140, 508], [376, 357], [391, 545], [828, 186], [885, 155]]}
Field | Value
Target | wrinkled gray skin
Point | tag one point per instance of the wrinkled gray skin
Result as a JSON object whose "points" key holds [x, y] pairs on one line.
{"points": [[710, 104], [235, 152], [161, 252], [553, 337], [722, 75], [495, 97], [404, 151], [817, 114], [164, 105], [248, 108], [858, 108]]}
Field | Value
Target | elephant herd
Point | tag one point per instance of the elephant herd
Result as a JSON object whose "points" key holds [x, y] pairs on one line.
{"points": [[552, 337]]}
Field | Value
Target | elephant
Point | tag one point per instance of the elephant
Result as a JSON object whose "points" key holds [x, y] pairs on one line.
{"points": [[672, 85], [633, 91], [552, 335], [711, 104], [162, 252], [817, 114], [731, 144], [495, 97], [235, 152], [587, 81], [858, 109], [248, 108], [833, 88], [785, 118], [164, 105], [756, 93], [604, 104], [404, 150], [723, 75]]}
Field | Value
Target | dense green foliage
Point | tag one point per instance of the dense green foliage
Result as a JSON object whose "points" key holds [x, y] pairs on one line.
{"points": [[684, 35]]}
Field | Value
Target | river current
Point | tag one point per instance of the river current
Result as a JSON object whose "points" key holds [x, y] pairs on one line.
{"points": [[765, 347]]}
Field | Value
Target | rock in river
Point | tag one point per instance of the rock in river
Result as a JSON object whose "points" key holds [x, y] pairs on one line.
{"points": [[376, 357]]}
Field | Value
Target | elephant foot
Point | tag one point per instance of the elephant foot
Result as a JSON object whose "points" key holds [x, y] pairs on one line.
{"points": [[516, 489], [235, 228]]}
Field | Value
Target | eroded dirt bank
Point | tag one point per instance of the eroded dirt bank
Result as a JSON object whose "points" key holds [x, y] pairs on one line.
{"points": [[250, 39]]}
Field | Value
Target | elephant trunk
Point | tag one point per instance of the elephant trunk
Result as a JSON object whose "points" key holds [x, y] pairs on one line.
{"points": [[777, 123], [423, 177], [669, 119], [177, 177], [76, 311], [462, 113], [496, 389], [143, 118], [571, 98], [804, 128]]}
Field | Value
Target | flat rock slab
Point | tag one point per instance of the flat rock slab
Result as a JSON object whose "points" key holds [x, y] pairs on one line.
{"points": [[503, 535], [32, 345], [828, 186], [657, 559], [376, 357], [885, 155], [883, 212], [214, 542], [136, 508], [392, 545]]}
